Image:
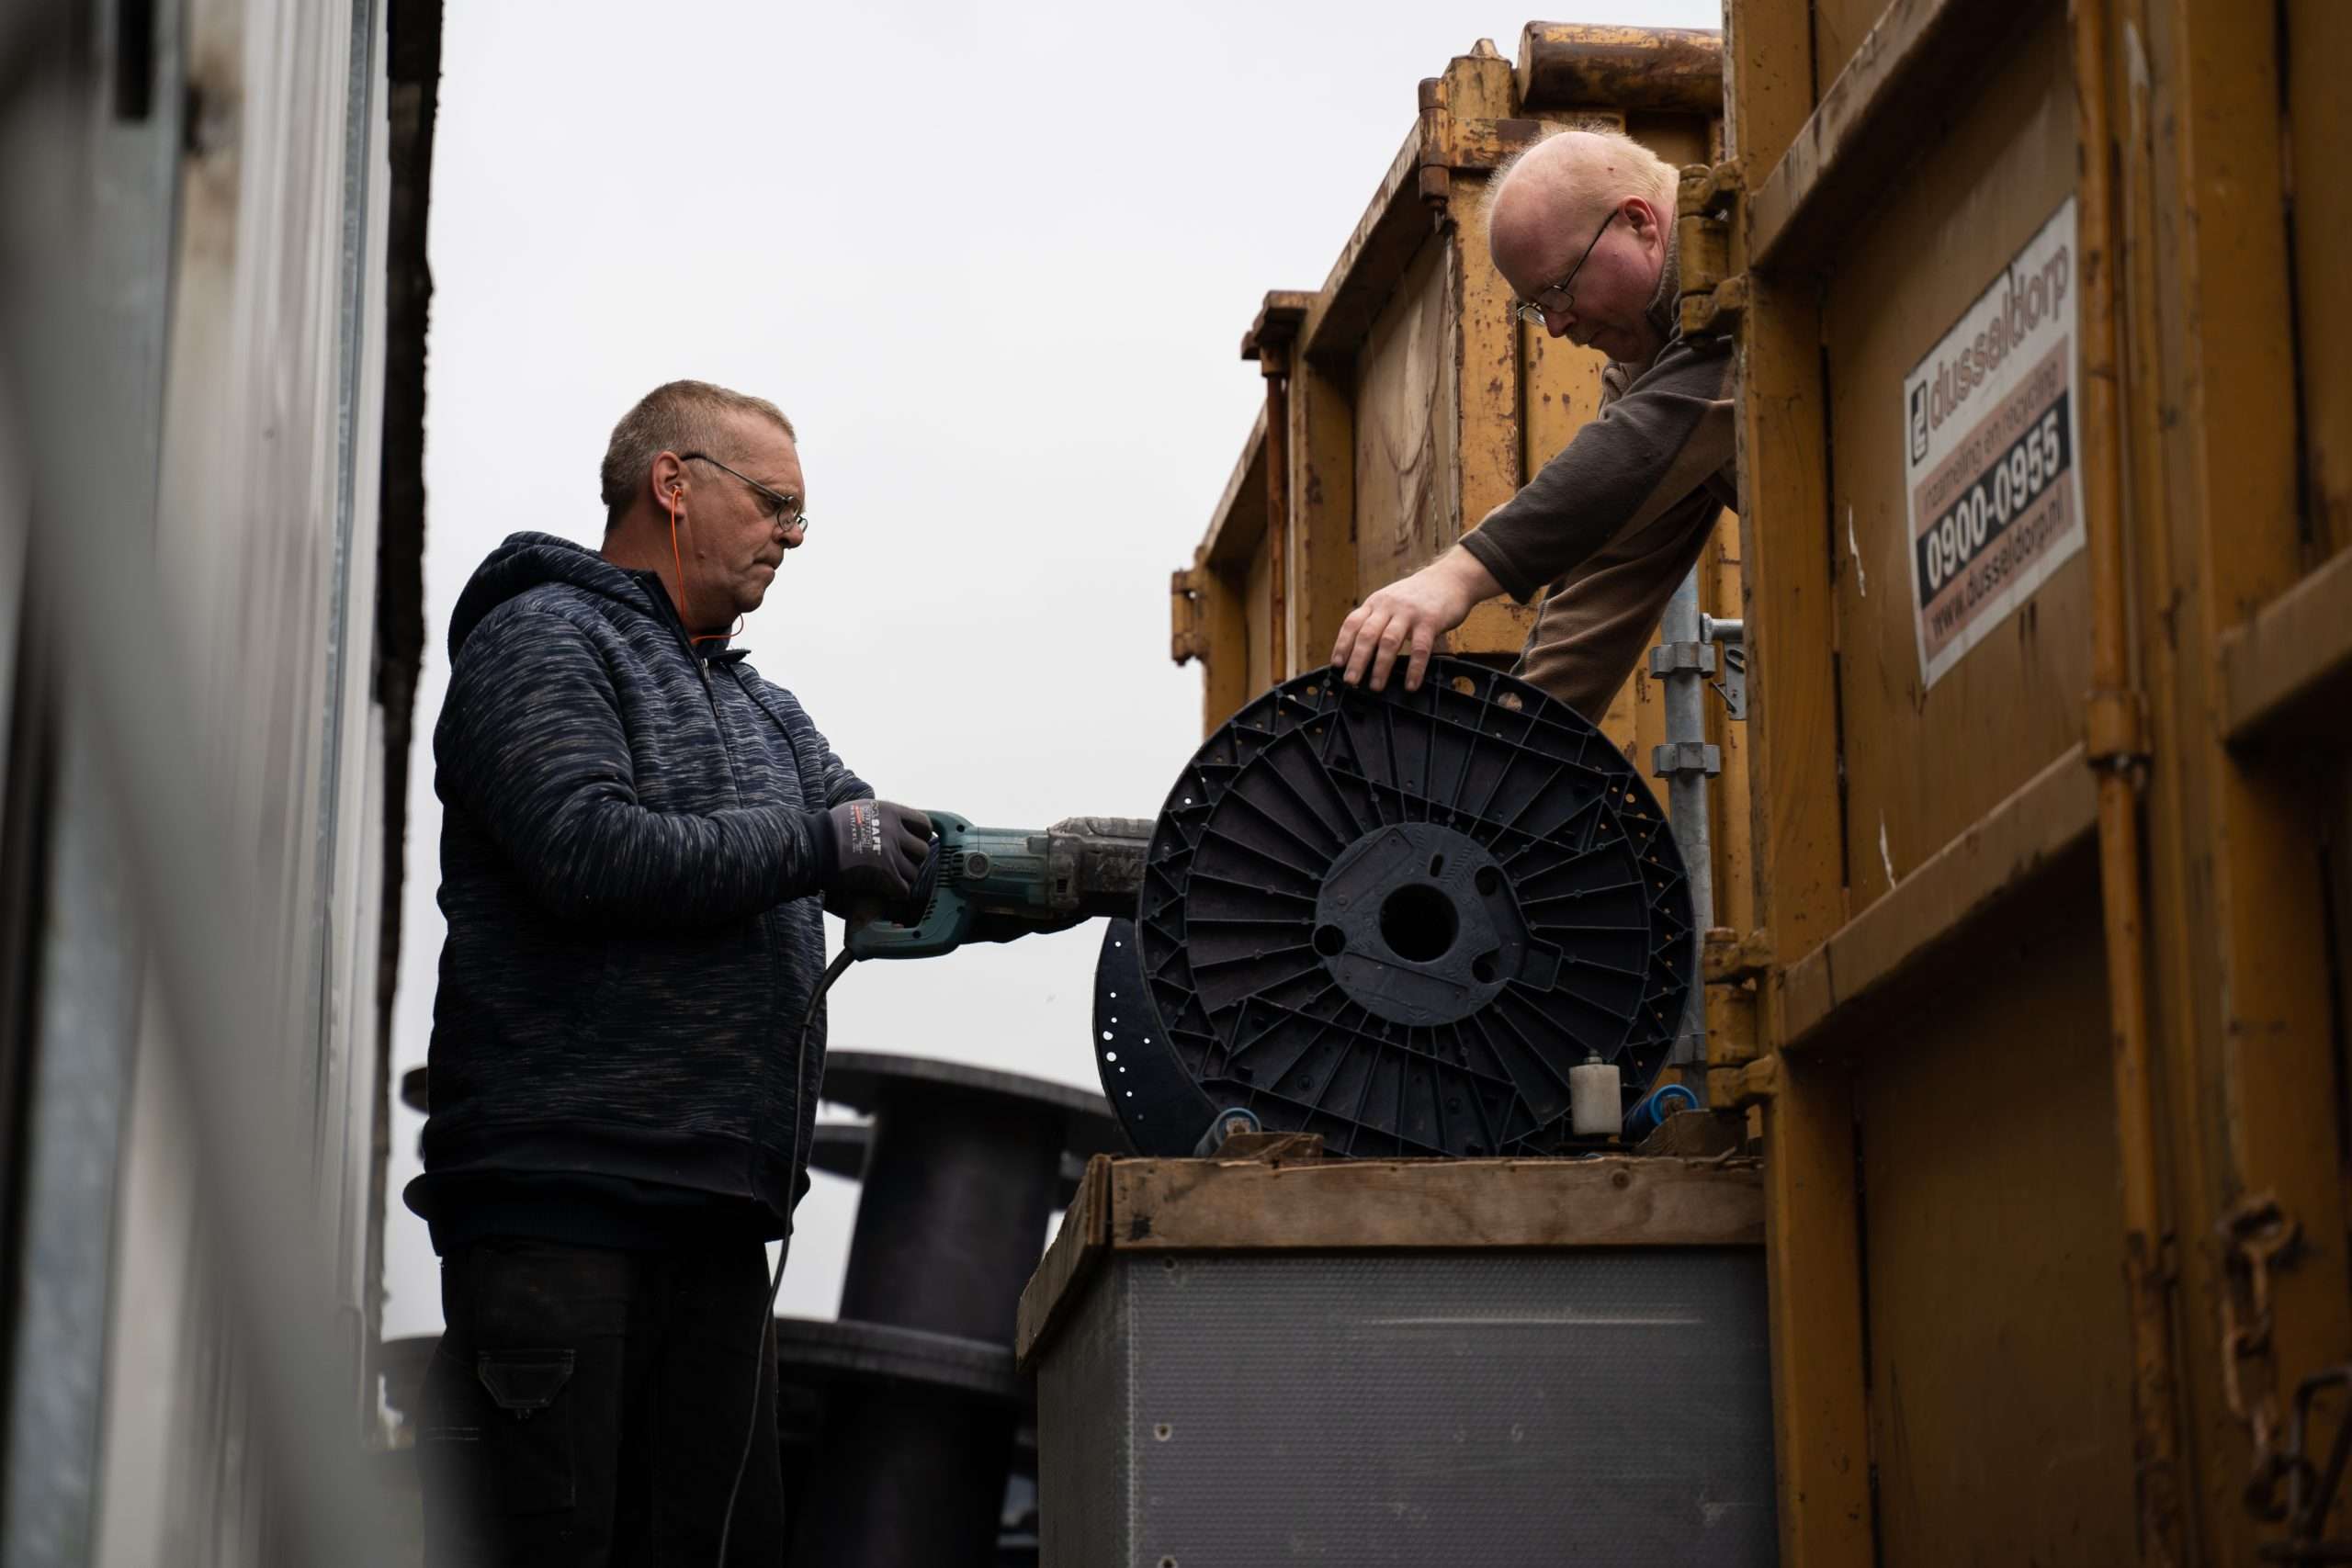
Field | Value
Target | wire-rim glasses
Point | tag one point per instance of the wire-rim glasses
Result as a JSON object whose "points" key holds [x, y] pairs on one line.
{"points": [[787, 507], [1532, 313]]}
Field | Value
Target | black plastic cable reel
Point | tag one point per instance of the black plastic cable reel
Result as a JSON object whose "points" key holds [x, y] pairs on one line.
{"points": [[1397, 920]]}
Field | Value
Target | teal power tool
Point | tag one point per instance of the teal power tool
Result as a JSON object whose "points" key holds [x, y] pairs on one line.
{"points": [[994, 883]]}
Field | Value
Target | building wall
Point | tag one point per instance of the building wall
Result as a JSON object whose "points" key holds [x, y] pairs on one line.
{"points": [[203, 799]]}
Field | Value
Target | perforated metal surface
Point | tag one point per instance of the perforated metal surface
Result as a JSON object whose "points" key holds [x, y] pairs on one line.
{"points": [[1507, 1411]]}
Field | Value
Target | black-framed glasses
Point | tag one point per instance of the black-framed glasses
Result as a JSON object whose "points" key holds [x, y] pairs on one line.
{"points": [[1531, 311], [787, 507]]}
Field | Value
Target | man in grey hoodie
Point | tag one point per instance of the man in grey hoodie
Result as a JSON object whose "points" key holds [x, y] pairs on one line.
{"points": [[638, 830]]}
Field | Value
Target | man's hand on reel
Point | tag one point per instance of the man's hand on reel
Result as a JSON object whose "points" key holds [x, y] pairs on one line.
{"points": [[1411, 617]]}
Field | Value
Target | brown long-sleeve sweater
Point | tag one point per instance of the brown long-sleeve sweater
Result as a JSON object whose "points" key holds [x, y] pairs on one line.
{"points": [[1613, 524]]}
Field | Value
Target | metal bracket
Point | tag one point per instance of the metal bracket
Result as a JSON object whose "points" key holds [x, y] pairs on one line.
{"points": [[1733, 687], [1702, 658], [1188, 637], [1682, 658], [1673, 757]]}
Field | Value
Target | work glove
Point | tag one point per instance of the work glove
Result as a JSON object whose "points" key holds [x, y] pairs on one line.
{"points": [[877, 847]]}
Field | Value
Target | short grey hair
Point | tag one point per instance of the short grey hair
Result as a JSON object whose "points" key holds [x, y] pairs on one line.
{"points": [[681, 417], [1609, 166]]}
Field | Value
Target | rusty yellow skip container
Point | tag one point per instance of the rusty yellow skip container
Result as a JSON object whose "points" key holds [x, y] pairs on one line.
{"points": [[1404, 401], [2030, 965], [2046, 437]]}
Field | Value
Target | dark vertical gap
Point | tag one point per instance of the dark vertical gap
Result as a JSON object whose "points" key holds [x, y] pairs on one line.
{"points": [[1837, 655], [1846, 883], [2335, 873], [1813, 54], [1862, 1274], [413, 72], [30, 770], [2314, 548], [134, 61]]}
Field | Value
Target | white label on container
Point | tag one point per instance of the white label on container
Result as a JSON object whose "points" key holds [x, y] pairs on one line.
{"points": [[1990, 433]]}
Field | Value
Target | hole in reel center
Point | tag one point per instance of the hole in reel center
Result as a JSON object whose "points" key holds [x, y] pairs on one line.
{"points": [[1418, 923]]}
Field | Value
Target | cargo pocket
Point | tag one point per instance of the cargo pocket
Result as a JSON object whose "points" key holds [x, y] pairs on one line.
{"points": [[528, 1444]]}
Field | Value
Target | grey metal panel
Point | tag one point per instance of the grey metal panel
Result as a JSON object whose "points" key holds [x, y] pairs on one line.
{"points": [[222, 750], [87, 1010], [1084, 1398], [85, 256], [1503, 1410]]}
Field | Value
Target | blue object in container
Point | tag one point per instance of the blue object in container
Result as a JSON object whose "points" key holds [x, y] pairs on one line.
{"points": [[1655, 1107]]}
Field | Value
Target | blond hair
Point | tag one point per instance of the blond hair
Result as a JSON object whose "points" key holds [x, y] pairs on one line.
{"points": [[681, 417], [1596, 169]]}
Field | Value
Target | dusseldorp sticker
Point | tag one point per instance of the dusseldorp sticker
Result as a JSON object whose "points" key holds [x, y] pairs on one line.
{"points": [[1994, 496]]}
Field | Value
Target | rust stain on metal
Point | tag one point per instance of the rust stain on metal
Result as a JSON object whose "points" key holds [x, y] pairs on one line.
{"points": [[1568, 65]]}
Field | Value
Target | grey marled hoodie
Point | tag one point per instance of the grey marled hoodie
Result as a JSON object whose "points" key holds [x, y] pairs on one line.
{"points": [[630, 859]]}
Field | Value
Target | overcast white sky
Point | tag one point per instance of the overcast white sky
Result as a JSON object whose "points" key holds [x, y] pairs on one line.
{"points": [[995, 262]]}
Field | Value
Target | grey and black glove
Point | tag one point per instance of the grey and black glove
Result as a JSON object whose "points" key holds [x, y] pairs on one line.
{"points": [[875, 849]]}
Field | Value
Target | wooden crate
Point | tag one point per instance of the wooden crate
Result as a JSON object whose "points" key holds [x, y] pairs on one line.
{"points": [[1491, 1362]]}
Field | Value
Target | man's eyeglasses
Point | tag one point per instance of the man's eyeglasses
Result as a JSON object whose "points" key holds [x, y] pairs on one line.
{"points": [[1531, 312], [787, 507]]}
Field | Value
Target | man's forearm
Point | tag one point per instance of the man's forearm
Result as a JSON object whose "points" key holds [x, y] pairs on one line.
{"points": [[1476, 580]]}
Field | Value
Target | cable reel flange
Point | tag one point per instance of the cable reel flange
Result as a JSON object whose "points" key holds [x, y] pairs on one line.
{"points": [[1399, 918]]}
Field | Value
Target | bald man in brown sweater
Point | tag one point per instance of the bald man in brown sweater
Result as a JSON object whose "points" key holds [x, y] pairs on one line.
{"points": [[1581, 226]]}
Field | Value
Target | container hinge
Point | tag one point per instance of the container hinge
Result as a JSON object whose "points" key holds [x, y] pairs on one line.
{"points": [[1731, 1024], [1733, 968], [2115, 731], [1713, 296], [1744, 1084], [1729, 956], [1465, 123], [1188, 637], [2257, 1238]]}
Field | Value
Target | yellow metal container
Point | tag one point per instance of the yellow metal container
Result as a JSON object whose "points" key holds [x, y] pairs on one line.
{"points": [[2046, 465], [1404, 401]]}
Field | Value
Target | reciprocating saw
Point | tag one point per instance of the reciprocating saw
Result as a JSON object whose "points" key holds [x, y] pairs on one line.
{"points": [[994, 883]]}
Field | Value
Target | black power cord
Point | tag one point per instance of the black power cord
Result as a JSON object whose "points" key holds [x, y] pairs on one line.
{"points": [[768, 1312]]}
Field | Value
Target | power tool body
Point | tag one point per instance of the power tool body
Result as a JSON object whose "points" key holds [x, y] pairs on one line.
{"points": [[995, 884]]}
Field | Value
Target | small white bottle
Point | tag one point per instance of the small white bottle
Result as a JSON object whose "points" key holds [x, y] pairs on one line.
{"points": [[1595, 1107]]}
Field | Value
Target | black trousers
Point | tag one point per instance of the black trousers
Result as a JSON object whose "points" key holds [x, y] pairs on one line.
{"points": [[587, 1407]]}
